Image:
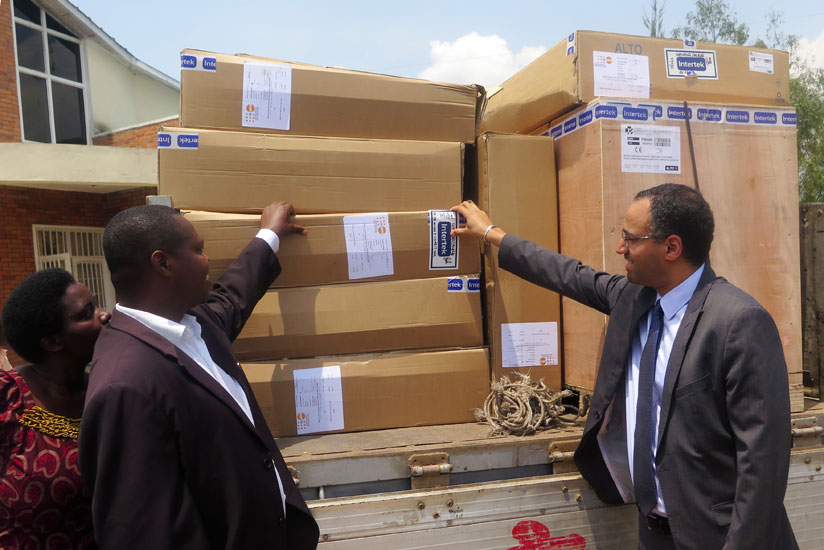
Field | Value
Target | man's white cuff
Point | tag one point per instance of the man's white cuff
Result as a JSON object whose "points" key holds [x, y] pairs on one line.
{"points": [[270, 237]]}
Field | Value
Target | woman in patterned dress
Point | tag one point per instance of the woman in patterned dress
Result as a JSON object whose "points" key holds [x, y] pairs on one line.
{"points": [[51, 321]]}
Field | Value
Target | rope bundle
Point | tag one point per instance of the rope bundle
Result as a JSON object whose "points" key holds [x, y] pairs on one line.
{"points": [[521, 407]]}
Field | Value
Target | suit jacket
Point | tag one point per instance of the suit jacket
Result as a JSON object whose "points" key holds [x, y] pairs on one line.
{"points": [[724, 436], [172, 460]]}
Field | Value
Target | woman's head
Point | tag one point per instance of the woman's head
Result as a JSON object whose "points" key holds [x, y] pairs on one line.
{"points": [[50, 313]]}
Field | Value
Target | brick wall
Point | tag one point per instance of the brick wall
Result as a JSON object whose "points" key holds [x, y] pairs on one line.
{"points": [[24, 207], [9, 109], [143, 137]]}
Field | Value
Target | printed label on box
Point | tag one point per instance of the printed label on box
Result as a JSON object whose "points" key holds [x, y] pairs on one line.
{"points": [[443, 247], [691, 63], [368, 245], [318, 400], [267, 95], [650, 149], [620, 74], [178, 140], [762, 63], [529, 344], [463, 284]]}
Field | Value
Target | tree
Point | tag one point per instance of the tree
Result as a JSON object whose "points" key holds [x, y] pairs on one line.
{"points": [[713, 21], [654, 22], [807, 96]]}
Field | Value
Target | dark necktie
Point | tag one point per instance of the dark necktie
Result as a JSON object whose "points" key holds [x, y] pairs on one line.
{"points": [[642, 457]]}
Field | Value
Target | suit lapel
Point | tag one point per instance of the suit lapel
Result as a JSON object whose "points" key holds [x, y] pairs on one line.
{"points": [[124, 323], [679, 347]]}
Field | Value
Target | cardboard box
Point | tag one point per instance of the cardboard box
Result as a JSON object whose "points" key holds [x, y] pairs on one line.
{"points": [[746, 159], [370, 392], [343, 248], [444, 312], [238, 172], [517, 188], [590, 64], [256, 94]]}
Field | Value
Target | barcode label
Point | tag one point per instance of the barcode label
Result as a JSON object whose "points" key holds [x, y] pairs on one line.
{"points": [[662, 142]]}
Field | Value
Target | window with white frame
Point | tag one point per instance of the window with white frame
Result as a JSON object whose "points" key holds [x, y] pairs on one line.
{"points": [[78, 250], [50, 80]]}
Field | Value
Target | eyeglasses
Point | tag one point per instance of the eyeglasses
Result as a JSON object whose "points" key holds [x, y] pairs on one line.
{"points": [[628, 239]]}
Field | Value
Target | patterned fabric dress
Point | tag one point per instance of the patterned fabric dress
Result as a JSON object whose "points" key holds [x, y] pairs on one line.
{"points": [[44, 505]]}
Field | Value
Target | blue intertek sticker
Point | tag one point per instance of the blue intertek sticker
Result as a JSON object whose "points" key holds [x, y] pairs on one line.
{"points": [[709, 115], [188, 61], [455, 284], [178, 140], [570, 125], [570, 50], [677, 113], [788, 118], [556, 131], [463, 284], [760, 117], [443, 247], [209, 64], [634, 113], [606, 111], [187, 141], [657, 110], [741, 117], [584, 118]]}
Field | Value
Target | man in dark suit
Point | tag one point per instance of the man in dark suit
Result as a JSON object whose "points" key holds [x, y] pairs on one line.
{"points": [[690, 416], [173, 443]]}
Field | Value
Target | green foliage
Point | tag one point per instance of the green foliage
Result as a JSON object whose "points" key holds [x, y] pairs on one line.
{"points": [[807, 96], [654, 22], [713, 21]]}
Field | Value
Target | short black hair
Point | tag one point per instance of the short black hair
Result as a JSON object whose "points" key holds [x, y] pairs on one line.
{"points": [[131, 236], [677, 209], [35, 310]]}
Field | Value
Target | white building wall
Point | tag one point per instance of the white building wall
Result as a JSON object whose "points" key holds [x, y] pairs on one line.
{"points": [[121, 97]]}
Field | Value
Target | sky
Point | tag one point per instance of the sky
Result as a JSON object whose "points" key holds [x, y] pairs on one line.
{"points": [[462, 42]]}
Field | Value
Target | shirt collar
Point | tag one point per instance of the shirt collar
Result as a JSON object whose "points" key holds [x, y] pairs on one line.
{"points": [[171, 330], [680, 296]]}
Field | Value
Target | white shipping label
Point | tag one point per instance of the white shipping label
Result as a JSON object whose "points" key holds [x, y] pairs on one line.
{"points": [[368, 245], [529, 344], [761, 63], [318, 400], [620, 74], [267, 95], [650, 149], [692, 63], [443, 247]]}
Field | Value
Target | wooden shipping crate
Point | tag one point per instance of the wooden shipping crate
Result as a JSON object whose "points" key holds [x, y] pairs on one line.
{"points": [[747, 169]]}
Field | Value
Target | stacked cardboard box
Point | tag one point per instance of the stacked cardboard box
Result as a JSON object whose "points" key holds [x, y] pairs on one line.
{"points": [[371, 164], [625, 129]]}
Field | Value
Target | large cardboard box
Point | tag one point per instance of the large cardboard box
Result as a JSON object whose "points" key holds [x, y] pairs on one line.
{"points": [[590, 64], [256, 94], [370, 392], [239, 172], [517, 188], [747, 168], [444, 312], [340, 248]]}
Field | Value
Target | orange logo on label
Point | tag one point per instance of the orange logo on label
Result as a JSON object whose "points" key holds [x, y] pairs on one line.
{"points": [[301, 416], [543, 361], [609, 60], [250, 108], [381, 230]]}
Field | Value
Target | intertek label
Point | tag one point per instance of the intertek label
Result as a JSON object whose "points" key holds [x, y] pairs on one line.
{"points": [[691, 63], [709, 115], [195, 62], [443, 247], [177, 140], [463, 284]]}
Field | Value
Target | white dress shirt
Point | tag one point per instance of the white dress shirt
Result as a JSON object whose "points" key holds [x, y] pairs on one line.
{"points": [[674, 304], [186, 335]]}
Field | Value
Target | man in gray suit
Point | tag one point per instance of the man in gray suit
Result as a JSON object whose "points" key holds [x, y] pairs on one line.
{"points": [[690, 417]]}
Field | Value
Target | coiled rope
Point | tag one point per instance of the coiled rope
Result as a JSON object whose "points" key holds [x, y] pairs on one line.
{"points": [[522, 407]]}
